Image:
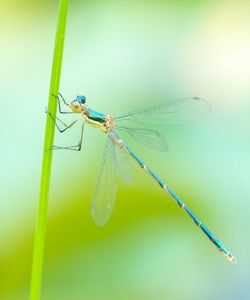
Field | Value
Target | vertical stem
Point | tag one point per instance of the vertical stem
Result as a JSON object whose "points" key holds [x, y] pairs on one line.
{"points": [[39, 240]]}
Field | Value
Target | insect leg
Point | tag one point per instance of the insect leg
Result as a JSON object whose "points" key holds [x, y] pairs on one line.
{"points": [[59, 104], [73, 148], [57, 126]]}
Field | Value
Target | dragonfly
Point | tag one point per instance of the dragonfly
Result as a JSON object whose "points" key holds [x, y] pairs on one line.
{"points": [[115, 161]]}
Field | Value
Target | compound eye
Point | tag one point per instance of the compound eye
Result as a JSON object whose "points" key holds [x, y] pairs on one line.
{"points": [[82, 99]]}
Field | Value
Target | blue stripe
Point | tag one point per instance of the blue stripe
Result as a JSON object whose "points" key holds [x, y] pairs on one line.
{"points": [[95, 114], [161, 183], [196, 220], [180, 203], [216, 242], [134, 155], [214, 239]]}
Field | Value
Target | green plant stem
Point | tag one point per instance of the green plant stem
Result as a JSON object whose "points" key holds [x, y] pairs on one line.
{"points": [[39, 240]]}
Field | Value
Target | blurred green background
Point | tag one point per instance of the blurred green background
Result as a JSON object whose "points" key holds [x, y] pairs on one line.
{"points": [[125, 55]]}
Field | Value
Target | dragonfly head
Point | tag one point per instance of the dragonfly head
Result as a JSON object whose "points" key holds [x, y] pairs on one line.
{"points": [[77, 105], [80, 99]]}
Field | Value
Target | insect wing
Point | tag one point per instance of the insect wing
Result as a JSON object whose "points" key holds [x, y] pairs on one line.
{"points": [[106, 188], [123, 169], [178, 111], [146, 137]]}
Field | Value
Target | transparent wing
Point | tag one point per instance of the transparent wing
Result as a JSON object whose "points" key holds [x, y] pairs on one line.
{"points": [[146, 137], [106, 188], [122, 165], [170, 113]]}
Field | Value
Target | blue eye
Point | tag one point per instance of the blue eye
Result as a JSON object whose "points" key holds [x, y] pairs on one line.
{"points": [[81, 99]]}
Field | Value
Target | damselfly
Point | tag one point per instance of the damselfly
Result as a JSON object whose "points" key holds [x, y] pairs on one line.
{"points": [[114, 162]]}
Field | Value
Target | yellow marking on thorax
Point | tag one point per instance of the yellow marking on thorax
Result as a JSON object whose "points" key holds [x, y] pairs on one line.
{"points": [[95, 123], [107, 126]]}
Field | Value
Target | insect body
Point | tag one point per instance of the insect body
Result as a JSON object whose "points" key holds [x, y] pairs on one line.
{"points": [[113, 161]]}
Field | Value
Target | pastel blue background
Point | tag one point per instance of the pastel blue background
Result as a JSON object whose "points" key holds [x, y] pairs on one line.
{"points": [[125, 55]]}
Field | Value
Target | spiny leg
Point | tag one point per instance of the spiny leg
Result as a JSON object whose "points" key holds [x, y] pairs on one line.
{"points": [[57, 126], [59, 104], [73, 148]]}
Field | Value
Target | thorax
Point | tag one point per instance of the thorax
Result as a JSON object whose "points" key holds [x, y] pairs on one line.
{"points": [[98, 120]]}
